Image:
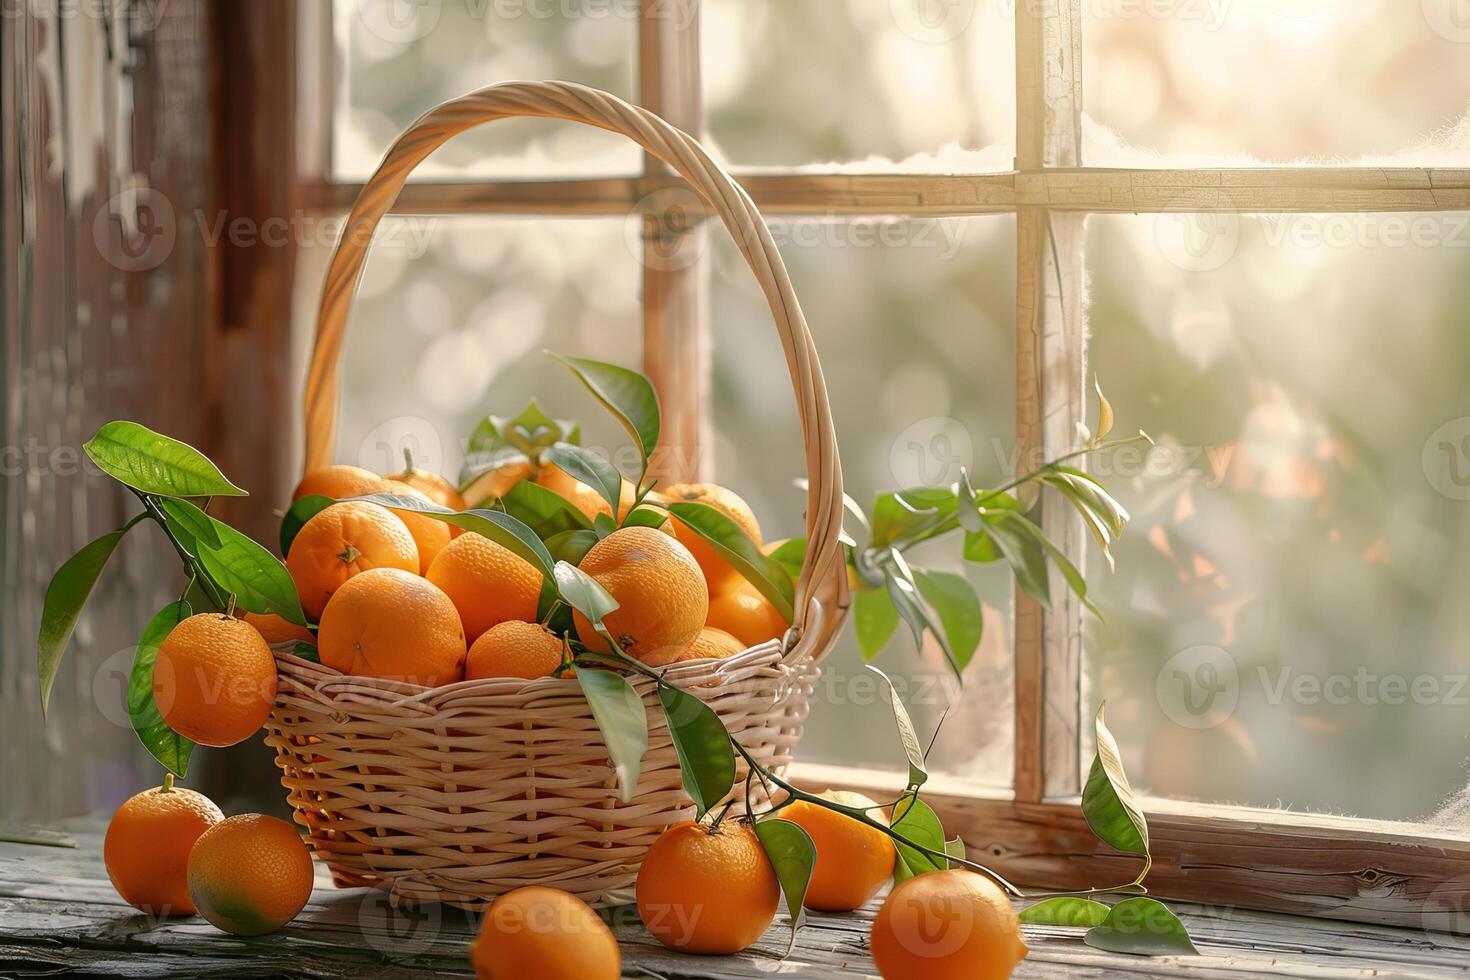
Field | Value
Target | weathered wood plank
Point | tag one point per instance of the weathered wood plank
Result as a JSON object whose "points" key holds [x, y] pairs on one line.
{"points": [[59, 916]]}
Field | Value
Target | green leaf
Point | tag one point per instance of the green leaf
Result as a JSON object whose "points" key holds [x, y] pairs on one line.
{"points": [[1065, 912], [731, 543], [1022, 553], [956, 850], [706, 760], [621, 718], [306, 651], [1074, 578], [603, 525], [793, 855], [627, 394], [969, 509], [153, 463], [1104, 410], [65, 597], [533, 430], [571, 546], [1141, 926], [645, 517], [590, 468], [170, 748], [297, 515], [1108, 802], [257, 579], [953, 599], [791, 555], [874, 620], [909, 513], [500, 527], [913, 819], [907, 734], [903, 592], [544, 511], [583, 593]]}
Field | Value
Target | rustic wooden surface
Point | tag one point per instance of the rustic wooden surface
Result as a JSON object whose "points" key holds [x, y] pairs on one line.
{"points": [[60, 916]]}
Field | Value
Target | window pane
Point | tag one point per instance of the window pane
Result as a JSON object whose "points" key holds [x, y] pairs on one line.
{"points": [[915, 322], [399, 59], [1277, 80], [853, 80], [1286, 625], [451, 321]]}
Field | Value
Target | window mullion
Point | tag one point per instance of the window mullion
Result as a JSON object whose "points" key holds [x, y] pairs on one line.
{"points": [[1050, 365]]}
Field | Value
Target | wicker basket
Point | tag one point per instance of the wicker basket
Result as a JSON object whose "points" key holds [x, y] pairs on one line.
{"points": [[460, 793]]}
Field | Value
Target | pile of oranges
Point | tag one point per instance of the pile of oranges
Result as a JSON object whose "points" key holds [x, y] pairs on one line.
{"points": [[402, 596], [171, 852]]}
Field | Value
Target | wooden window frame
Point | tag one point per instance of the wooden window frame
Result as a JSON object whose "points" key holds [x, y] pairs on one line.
{"points": [[1314, 864]]}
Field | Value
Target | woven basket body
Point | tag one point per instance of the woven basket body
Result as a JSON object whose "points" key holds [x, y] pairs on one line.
{"points": [[461, 793]]}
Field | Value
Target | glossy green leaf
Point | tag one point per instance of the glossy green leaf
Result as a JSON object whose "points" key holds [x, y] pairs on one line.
{"points": [[590, 468], [171, 749], [237, 565], [1108, 802], [297, 515], [731, 542], [874, 620], [968, 511], [706, 760], [793, 855], [152, 462], [1022, 553], [627, 394], [1070, 572], [498, 526], [956, 850], [954, 601], [583, 593], [623, 721], [306, 651], [544, 511], [646, 517], [908, 736], [1065, 912], [1143, 927], [903, 592], [603, 525], [913, 818], [571, 546], [909, 513], [791, 555], [65, 598]]}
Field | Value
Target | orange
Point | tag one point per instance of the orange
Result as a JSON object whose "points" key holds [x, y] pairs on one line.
{"points": [[214, 680], [718, 573], [338, 481], [274, 629], [429, 536], [853, 859], [746, 615], [146, 849], [706, 892], [947, 925], [391, 624], [712, 644], [487, 582], [514, 649], [583, 497], [547, 934], [250, 874], [342, 540], [497, 482], [662, 600], [431, 485]]}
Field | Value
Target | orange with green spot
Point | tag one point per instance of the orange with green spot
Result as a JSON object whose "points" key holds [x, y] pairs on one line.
{"points": [[250, 874]]}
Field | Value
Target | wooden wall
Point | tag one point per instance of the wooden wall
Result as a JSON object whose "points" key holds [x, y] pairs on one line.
{"points": [[117, 304]]}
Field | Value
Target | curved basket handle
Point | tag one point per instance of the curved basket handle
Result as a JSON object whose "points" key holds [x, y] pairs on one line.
{"points": [[821, 590]]}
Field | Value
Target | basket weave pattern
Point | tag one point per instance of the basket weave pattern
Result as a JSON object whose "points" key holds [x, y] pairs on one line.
{"points": [[460, 793], [457, 794]]}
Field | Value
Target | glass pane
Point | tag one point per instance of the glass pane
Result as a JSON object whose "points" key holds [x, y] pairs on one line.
{"points": [[1286, 625], [1245, 82], [915, 322], [451, 321], [399, 59], [929, 84]]}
